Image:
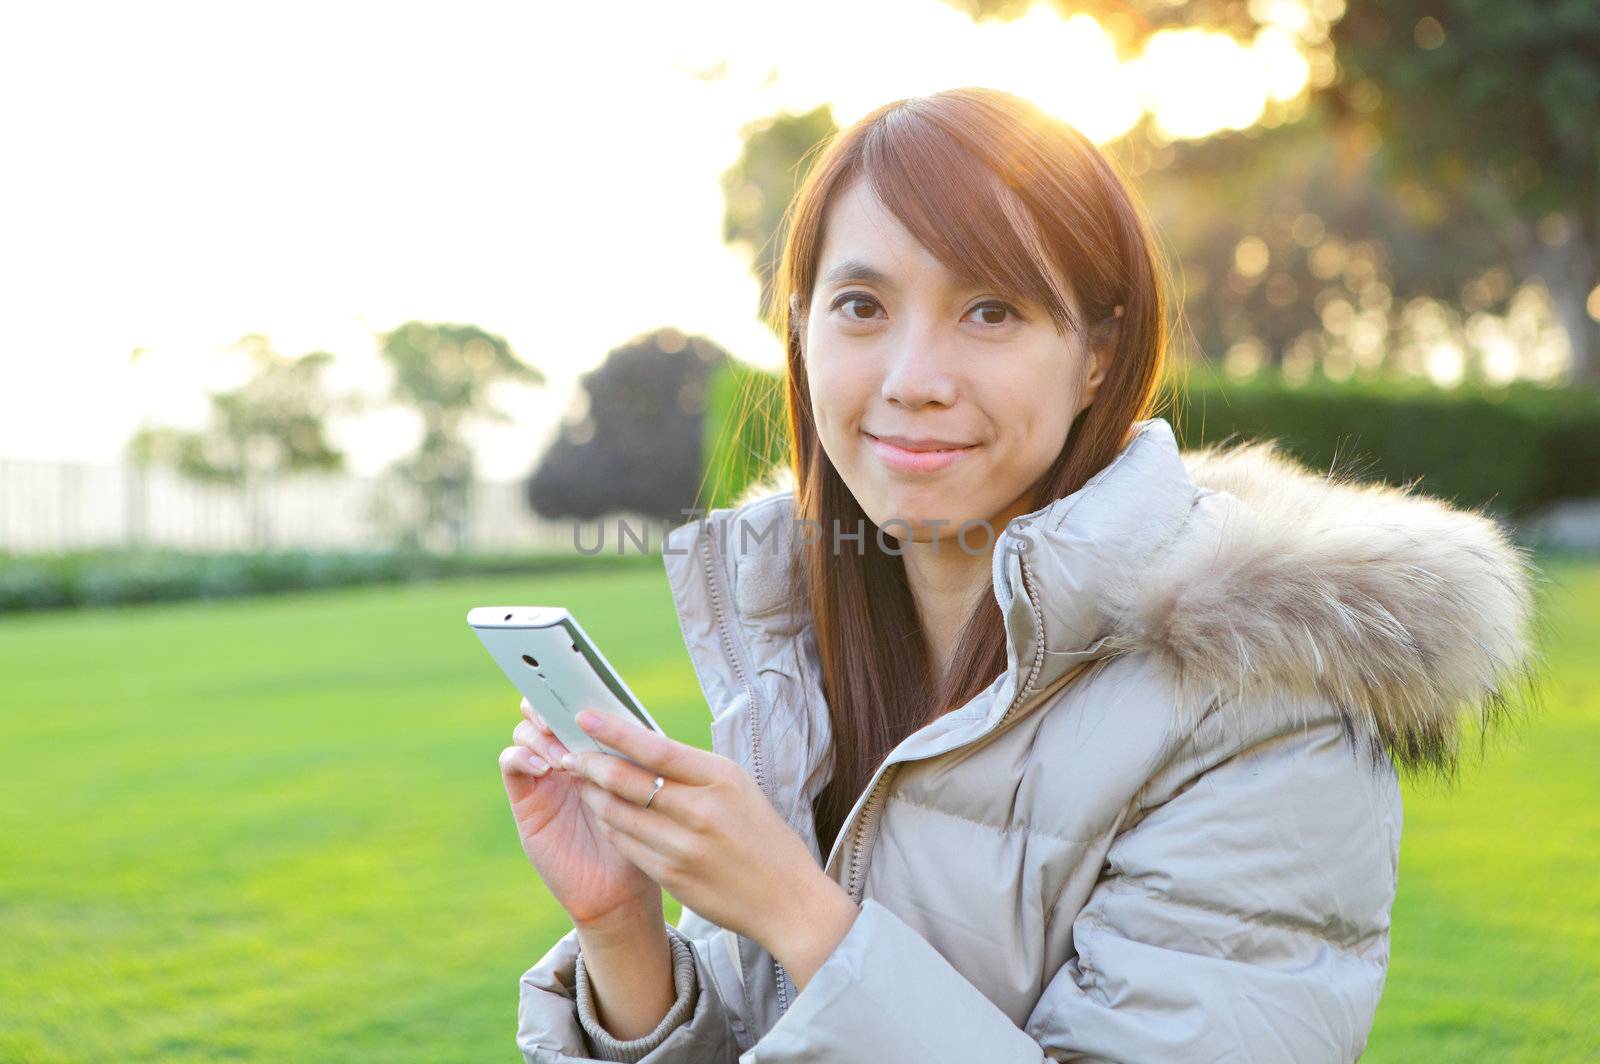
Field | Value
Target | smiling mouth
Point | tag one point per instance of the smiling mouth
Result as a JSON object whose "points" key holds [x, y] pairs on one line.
{"points": [[918, 446], [918, 456]]}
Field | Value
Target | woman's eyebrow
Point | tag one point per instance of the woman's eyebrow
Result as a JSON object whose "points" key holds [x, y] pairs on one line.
{"points": [[856, 270], [860, 270]]}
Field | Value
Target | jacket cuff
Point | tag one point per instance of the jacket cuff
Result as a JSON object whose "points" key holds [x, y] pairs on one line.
{"points": [[631, 1050]]}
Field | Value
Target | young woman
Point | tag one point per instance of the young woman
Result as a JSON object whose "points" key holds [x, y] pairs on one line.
{"points": [[1033, 737]]}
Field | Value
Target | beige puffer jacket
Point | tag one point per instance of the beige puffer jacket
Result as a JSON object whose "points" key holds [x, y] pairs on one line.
{"points": [[1169, 831]]}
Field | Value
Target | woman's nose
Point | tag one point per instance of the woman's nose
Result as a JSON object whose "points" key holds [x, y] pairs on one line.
{"points": [[917, 372]]}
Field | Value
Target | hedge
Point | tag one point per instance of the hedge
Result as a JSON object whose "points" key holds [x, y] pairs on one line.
{"points": [[102, 577]]}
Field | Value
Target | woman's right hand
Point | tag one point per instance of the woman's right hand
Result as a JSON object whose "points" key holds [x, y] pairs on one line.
{"points": [[589, 877]]}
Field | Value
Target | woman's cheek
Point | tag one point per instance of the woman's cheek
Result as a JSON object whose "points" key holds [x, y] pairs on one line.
{"points": [[837, 407]]}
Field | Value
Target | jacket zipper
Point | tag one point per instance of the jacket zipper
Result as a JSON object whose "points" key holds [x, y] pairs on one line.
{"points": [[732, 651], [867, 821]]}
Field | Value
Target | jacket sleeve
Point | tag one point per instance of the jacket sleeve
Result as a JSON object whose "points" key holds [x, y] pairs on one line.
{"points": [[1243, 918], [556, 1021]]}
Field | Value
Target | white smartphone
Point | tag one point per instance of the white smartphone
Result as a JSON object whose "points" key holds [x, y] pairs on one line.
{"points": [[546, 655]]}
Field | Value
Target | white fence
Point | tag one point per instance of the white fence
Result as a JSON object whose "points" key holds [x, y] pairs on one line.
{"points": [[54, 506]]}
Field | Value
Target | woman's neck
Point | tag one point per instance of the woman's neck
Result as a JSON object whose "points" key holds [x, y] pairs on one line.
{"points": [[947, 581], [943, 584]]}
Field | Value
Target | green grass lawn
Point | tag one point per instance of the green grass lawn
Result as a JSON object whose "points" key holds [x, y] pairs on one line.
{"points": [[274, 830]]}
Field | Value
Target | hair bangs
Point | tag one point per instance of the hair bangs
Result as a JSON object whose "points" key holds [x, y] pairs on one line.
{"points": [[967, 218]]}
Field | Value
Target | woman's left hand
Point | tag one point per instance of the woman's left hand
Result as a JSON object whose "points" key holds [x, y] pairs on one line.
{"points": [[712, 839]]}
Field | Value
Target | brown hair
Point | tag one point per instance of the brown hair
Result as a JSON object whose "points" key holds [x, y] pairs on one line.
{"points": [[1021, 201]]}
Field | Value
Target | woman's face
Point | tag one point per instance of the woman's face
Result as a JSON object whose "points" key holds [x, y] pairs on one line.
{"points": [[904, 360]]}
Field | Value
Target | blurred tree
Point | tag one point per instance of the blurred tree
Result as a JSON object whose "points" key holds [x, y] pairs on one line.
{"points": [[1472, 125], [1498, 105], [445, 372], [1304, 248], [273, 423], [633, 442], [759, 186]]}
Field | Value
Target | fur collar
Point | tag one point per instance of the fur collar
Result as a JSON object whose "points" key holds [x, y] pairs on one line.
{"points": [[1410, 614]]}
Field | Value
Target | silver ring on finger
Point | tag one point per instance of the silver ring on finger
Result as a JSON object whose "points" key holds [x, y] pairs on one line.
{"points": [[660, 783]]}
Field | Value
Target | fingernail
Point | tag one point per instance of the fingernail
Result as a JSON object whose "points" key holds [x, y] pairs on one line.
{"points": [[539, 766], [589, 720], [568, 760]]}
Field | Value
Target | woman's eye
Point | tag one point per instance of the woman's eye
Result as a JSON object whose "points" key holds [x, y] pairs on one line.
{"points": [[996, 309], [993, 306], [844, 301]]}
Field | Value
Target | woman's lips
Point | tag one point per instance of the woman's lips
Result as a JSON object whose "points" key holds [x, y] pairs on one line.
{"points": [[905, 460]]}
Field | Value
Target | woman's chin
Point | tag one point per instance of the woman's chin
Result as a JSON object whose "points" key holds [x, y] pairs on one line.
{"points": [[926, 520]]}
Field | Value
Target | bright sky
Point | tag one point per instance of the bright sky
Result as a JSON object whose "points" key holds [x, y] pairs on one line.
{"points": [[180, 174]]}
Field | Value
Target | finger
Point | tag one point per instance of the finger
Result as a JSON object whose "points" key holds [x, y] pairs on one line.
{"points": [[657, 753], [621, 778], [521, 761], [543, 743], [643, 857], [548, 748], [553, 749], [550, 751], [650, 828]]}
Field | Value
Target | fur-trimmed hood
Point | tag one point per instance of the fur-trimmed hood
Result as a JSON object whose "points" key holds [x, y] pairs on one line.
{"points": [[1241, 570]]}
